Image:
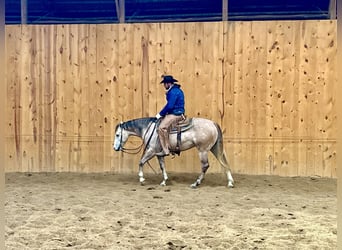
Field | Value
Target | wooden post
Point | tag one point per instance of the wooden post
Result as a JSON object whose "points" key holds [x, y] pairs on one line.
{"points": [[23, 11]]}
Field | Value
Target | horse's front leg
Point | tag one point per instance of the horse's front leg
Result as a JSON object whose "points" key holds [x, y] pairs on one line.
{"points": [[141, 173], [148, 155], [162, 167]]}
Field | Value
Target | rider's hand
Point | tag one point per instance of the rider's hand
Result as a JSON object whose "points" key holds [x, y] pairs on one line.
{"points": [[158, 116]]}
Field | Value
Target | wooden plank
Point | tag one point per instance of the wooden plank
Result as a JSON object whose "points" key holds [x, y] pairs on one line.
{"points": [[60, 79], [139, 80], [228, 48], [212, 70], [75, 138], [103, 99], [199, 77], [49, 114], [30, 99], [113, 72], [153, 61], [143, 71], [285, 98], [82, 139], [108, 73], [168, 45], [298, 126], [275, 43], [239, 102], [66, 58], [189, 69], [309, 76], [259, 93], [294, 43], [13, 60], [96, 130], [219, 71], [249, 95], [125, 97], [327, 113]]}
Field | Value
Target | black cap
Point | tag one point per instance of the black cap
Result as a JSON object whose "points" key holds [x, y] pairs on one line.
{"points": [[168, 79]]}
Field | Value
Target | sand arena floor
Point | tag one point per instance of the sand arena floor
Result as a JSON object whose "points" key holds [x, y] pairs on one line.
{"points": [[108, 211]]}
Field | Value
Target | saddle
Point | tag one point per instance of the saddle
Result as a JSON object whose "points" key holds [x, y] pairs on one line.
{"points": [[178, 128], [182, 125]]}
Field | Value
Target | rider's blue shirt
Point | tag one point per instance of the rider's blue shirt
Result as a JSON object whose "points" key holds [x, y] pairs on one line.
{"points": [[175, 101]]}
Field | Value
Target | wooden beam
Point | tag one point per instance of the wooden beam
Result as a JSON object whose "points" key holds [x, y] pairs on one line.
{"points": [[23, 4]]}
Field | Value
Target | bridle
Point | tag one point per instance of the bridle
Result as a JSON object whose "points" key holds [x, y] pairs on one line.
{"points": [[128, 150], [136, 150]]}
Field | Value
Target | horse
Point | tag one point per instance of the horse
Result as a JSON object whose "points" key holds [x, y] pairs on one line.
{"points": [[203, 134]]}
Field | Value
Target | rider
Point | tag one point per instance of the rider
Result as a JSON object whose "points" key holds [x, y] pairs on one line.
{"points": [[173, 111]]}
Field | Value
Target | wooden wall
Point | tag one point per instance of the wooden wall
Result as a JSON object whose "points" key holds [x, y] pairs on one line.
{"points": [[270, 85]]}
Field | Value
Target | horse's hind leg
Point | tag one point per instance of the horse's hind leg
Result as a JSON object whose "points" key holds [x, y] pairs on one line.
{"points": [[162, 167], [230, 179], [226, 167], [220, 155], [205, 165]]}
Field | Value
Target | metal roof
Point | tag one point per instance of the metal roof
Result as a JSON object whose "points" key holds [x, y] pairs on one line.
{"points": [[104, 11]]}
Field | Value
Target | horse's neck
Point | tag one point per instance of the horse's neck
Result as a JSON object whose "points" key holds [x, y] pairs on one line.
{"points": [[138, 128], [135, 131]]}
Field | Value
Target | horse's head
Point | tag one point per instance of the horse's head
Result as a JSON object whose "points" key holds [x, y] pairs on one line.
{"points": [[120, 138]]}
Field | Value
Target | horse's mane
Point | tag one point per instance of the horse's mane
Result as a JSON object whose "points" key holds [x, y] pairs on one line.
{"points": [[137, 125]]}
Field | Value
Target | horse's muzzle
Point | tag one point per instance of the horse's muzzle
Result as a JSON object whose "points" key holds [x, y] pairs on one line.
{"points": [[117, 148]]}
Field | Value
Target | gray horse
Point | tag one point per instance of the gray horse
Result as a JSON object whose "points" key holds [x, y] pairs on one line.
{"points": [[203, 134]]}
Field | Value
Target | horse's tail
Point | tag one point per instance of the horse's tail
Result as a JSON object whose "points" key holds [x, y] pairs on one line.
{"points": [[218, 149]]}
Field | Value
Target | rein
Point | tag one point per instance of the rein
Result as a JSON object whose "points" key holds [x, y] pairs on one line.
{"points": [[130, 150], [139, 148]]}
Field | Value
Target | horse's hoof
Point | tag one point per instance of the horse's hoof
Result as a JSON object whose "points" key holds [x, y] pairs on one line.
{"points": [[142, 183], [194, 185], [163, 184], [230, 185]]}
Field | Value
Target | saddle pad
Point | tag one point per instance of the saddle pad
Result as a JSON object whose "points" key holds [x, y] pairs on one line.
{"points": [[183, 125]]}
